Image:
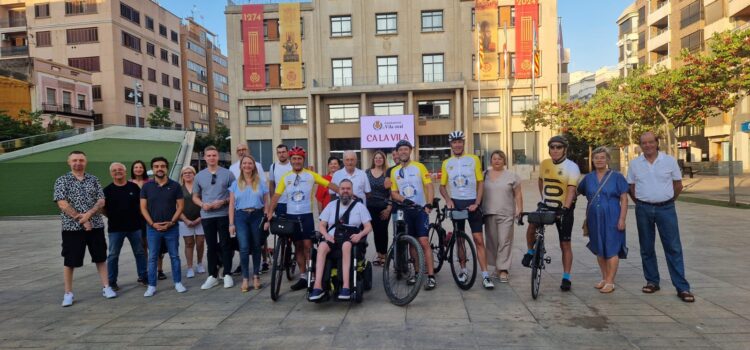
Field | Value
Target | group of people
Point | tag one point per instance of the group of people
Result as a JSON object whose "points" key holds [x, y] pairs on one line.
{"points": [[216, 205]]}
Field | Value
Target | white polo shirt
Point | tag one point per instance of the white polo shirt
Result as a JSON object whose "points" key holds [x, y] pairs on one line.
{"points": [[235, 169], [358, 216], [360, 183], [654, 182]]}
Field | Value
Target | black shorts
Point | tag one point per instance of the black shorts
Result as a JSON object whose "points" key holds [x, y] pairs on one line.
{"points": [[74, 245], [565, 225], [307, 231], [475, 217]]}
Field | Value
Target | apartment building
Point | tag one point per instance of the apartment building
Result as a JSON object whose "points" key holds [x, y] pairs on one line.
{"points": [[205, 85], [659, 30], [131, 47], [390, 57]]}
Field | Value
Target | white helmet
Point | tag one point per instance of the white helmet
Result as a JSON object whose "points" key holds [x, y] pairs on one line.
{"points": [[456, 135]]}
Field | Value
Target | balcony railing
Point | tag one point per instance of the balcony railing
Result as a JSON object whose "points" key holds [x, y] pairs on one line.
{"points": [[14, 51], [741, 28], [11, 23], [391, 80], [66, 109]]}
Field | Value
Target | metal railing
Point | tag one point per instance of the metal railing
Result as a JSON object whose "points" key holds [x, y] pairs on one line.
{"points": [[14, 51], [741, 28], [68, 109], [389, 80], [11, 23]]}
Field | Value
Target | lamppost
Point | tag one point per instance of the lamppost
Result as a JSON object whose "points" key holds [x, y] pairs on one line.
{"points": [[137, 95]]}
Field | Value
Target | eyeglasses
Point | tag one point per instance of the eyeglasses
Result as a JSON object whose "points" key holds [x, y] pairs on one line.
{"points": [[556, 147], [213, 179]]}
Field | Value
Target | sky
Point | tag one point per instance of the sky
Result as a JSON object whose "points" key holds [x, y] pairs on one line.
{"points": [[589, 27]]}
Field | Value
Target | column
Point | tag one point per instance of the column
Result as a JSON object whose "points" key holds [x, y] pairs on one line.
{"points": [[364, 156], [320, 161], [312, 121]]}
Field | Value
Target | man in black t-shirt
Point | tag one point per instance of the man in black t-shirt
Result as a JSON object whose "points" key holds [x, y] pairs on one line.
{"points": [[122, 208]]}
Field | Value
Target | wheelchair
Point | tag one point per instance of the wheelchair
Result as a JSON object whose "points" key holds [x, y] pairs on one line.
{"points": [[360, 278]]}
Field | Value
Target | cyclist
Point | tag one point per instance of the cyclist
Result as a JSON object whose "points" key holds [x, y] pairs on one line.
{"points": [[297, 186], [558, 179], [410, 180], [357, 216], [462, 175]]}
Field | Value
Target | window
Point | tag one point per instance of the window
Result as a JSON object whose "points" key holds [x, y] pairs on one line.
{"points": [[693, 42], [152, 74], [642, 40], [490, 107], [43, 39], [388, 108], [296, 114], [163, 30], [153, 100], [150, 49], [197, 88], [642, 16], [130, 95], [271, 29], [78, 7], [432, 68], [432, 21], [96, 92], [82, 35], [81, 102], [131, 41], [485, 144], [149, 23], [524, 147], [166, 103], [440, 109], [691, 13], [175, 60], [173, 36], [519, 104], [342, 71], [222, 61], [387, 70], [273, 76], [200, 127], [41, 11], [196, 48], [259, 115], [339, 146], [345, 113], [164, 55], [220, 80], [176, 83], [341, 26], [221, 96], [90, 64], [263, 151], [67, 103], [130, 13], [165, 79], [224, 114], [386, 23], [432, 150], [197, 68], [51, 96], [132, 69]]}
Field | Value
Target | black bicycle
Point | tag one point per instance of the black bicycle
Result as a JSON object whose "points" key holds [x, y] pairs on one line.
{"points": [[543, 216], [283, 252], [403, 271], [456, 247]]}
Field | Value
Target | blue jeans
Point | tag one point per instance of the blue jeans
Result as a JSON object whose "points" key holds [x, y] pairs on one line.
{"points": [[172, 238], [247, 226], [664, 218], [116, 240]]}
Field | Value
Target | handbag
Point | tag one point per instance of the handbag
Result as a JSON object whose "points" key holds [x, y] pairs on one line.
{"points": [[284, 227], [585, 226]]}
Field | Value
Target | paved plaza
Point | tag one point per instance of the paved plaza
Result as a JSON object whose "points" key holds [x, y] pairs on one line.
{"points": [[715, 241]]}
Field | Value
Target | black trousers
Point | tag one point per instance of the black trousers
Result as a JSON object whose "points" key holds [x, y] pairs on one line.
{"points": [[218, 244], [379, 230]]}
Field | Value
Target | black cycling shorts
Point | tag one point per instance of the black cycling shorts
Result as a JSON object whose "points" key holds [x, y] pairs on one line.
{"points": [[475, 217]]}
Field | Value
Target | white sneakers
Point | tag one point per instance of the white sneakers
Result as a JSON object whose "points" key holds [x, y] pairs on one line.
{"points": [[180, 288], [199, 268], [150, 291], [228, 281], [67, 299], [108, 293], [211, 282], [190, 273]]}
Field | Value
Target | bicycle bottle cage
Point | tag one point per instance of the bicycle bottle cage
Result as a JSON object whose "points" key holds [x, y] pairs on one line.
{"points": [[542, 217], [284, 227], [459, 214]]}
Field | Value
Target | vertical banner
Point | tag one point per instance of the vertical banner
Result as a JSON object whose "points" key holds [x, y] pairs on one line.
{"points": [[290, 38], [527, 18], [486, 41], [254, 72]]}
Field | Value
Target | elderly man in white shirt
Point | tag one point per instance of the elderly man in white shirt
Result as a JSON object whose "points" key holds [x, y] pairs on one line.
{"points": [[655, 182], [360, 183], [242, 150]]}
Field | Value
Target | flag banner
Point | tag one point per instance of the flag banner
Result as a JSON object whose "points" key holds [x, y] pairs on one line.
{"points": [[254, 70], [527, 17], [290, 38], [486, 41]]}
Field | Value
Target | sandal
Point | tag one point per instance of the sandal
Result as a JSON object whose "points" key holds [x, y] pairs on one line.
{"points": [[256, 283], [686, 296], [379, 261], [650, 288], [607, 288], [601, 284], [244, 287]]}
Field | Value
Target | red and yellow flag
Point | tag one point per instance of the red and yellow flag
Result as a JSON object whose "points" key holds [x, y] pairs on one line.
{"points": [[290, 39], [527, 20], [486, 41], [254, 70]]}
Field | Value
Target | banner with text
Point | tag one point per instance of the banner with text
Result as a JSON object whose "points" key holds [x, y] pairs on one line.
{"points": [[486, 41], [527, 20], [254, 72], [290, 38], [386, 131]]}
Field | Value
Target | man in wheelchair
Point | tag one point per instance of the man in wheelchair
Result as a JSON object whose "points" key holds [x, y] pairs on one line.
{"points": [[343, 222]]}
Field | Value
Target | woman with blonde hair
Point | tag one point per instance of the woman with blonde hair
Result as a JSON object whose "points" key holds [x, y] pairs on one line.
{"points": [[190, 226], [248, 198]]}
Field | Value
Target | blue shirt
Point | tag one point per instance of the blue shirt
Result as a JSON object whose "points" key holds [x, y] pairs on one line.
{"points": [[247, 198], [161, 201]]}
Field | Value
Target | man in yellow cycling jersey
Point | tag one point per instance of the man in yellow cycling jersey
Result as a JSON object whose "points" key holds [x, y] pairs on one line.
{"points": [[297, 186], [558, 179], [410, 180], [462, 176]]}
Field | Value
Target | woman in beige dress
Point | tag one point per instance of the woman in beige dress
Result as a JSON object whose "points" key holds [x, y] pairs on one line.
{"points": [[502, 203]]}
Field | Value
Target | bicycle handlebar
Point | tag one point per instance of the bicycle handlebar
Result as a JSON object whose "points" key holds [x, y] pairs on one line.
{"points": [[541, 208]]}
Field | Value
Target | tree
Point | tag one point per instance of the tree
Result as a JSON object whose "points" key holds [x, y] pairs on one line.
{"points": [[58, 125], [159, 118], [218, 139], [27, 124]]}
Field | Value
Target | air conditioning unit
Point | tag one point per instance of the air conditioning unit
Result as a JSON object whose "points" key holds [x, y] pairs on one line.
{"points": [[3, 37]]}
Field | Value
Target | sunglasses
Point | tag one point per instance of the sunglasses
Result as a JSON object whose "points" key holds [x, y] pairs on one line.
{"points": [[296, 181], [556, 147], [213, 179]]}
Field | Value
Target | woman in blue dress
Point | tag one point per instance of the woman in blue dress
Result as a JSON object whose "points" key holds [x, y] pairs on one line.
{"points": [[605, 216]]}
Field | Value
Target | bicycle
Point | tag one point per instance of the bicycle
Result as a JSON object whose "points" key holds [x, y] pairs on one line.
{"points": [[400, 260], [453, 247], [283, 253], [543, 216]]}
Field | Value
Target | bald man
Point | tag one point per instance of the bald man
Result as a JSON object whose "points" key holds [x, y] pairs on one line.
{"points": [[360, 183]]}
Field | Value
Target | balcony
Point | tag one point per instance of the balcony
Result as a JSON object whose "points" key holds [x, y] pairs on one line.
{"points": [[738, 8], [14, 51], [15, 23], [663, 10], [66, 110], [403, 82], [660, 41], [630, 37], [662, 62]]}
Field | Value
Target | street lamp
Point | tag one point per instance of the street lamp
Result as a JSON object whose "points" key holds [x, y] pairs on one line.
{"points": [[137, 95]]}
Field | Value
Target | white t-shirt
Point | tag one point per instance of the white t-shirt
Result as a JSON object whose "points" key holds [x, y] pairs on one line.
{"points": [[276, 172], [358, 216], [235, 169], [360, 183], [654, 182]]}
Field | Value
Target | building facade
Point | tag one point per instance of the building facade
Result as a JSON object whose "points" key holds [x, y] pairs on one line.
{"points": [[583, 85], [62, 92], [390, 57], [131, 47]]}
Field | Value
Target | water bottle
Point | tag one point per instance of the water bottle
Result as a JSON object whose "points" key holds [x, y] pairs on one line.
{"points": [[448, 237]]}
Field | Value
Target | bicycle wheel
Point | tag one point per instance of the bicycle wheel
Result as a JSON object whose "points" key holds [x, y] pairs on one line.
{"points": [[395, 282], [290, 262], [462, 254], [537, 267], [437, 244], [277, 270]]}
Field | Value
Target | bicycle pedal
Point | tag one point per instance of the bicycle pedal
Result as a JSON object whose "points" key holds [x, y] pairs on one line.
{"points": [[548, 260]]}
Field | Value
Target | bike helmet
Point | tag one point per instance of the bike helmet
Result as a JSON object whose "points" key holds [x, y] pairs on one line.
{"points": [[558, 139], [297, 151], [456, 135], [404, 143]]}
